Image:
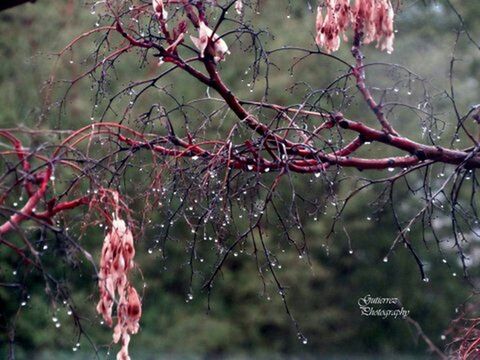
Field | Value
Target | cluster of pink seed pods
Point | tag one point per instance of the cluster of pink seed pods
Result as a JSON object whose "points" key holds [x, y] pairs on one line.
{"points": [[114, 287], [371, 18]]}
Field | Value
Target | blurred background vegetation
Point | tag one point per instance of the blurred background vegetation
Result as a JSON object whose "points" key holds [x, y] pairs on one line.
{"points": [[244, 320]]}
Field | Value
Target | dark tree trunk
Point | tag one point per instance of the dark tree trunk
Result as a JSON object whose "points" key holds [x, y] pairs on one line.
{"points": [[6, 4]]}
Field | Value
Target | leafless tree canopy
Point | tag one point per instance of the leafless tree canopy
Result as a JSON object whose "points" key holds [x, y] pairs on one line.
{"points": [[224, 165]]}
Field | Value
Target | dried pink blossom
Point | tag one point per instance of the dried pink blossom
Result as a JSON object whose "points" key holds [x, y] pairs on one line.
{"points": [[384, 25], [129, 311], [207, 37], [239, 7], [116, 260], [375, 19], [159, 9], [333, 25], [372, 18]]}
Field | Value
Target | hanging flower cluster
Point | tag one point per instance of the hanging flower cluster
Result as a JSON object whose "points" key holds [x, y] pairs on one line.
{"points": [[116, 260], [373, 18], [205, 38]]}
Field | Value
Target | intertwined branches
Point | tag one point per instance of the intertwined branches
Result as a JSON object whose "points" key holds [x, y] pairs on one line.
{"points": [[224, 165]]}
